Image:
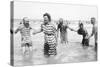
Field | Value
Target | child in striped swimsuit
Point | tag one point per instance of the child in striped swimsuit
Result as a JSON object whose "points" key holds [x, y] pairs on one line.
{"points": [[24, 29]]}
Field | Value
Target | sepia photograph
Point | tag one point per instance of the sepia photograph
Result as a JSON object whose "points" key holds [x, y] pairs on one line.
{"points": [[53, 33]]}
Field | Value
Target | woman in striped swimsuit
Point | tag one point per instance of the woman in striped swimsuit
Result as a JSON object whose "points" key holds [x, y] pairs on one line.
{"points": [[50, 39]]}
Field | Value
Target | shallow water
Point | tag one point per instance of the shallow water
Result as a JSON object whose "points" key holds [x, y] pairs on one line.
{"points": [[71, 52]]}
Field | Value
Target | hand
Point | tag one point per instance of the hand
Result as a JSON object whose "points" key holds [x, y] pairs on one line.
{"points": [[34, 33], [72, 30], [87, 37]]}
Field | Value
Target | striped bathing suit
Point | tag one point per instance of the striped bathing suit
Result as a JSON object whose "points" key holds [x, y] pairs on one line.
{"points": [[25, 35], [50, 39]]}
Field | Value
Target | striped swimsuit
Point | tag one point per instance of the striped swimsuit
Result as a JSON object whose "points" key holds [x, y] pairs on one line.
{"points": [[50, 39], [25, 35]]}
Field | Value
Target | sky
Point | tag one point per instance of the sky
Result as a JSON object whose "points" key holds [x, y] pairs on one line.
{"points": [[35, 10]]}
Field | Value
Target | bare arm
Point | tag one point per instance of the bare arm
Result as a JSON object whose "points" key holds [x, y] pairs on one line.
{"points": [[58, 28], [38, 31], [57, 32], [17, 30], [87, 35], [56, 22], [71, 29], [93, 31]]}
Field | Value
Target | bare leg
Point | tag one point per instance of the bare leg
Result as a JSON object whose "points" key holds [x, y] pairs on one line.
{"points": [[66, 38], [27, 50], [61, 38], [23, 49], [30, 48], [96, 45]]}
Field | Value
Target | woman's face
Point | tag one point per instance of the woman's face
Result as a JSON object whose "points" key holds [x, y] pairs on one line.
{"points": [[46, 19]]}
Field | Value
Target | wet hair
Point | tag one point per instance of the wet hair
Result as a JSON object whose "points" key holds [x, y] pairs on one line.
{"points": [[48, 15], [24, 18], [92, 17], [80, 24]]}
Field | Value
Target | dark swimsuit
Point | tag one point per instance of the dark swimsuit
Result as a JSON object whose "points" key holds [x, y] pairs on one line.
{"points": [[85, 41]]}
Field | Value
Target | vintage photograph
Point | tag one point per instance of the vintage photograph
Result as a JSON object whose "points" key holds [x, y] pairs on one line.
{"points": [[53, 33]]}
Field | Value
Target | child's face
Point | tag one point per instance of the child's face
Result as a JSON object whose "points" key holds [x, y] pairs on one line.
{"points": [[26, 22], [46, 20], [81, 26]]}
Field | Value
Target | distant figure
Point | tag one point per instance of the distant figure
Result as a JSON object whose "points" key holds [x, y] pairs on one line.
{"points": [[82, 31], [50, 39], [94, 31], [24, 30], [62, 27]]}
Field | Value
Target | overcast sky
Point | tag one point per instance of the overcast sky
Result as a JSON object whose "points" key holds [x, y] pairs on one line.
{"points": [[35, 10]]}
